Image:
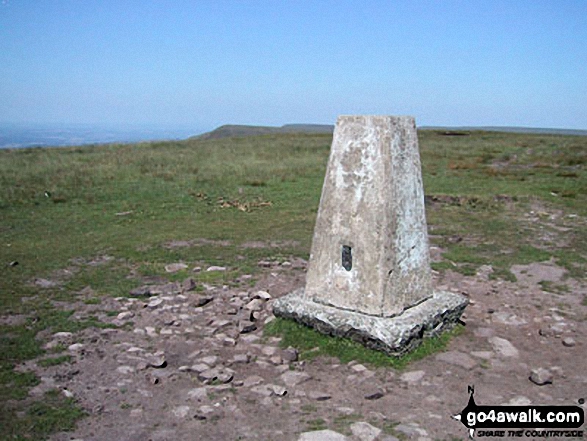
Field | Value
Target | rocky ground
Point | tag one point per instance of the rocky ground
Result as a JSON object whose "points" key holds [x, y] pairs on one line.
{"points": [[186, 364]]}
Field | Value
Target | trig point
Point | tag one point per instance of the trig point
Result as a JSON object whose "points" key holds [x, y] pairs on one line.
{"points": [[369, 271]]}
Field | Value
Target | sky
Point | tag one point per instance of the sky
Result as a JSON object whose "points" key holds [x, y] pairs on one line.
{"points": [[202, 63]]}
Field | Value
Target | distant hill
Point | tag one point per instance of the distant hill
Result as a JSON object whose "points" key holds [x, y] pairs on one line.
{"points": [[231, 130], [532, 130]]}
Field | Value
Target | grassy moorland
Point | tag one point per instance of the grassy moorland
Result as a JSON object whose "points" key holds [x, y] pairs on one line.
{"points": [[493, 199]]}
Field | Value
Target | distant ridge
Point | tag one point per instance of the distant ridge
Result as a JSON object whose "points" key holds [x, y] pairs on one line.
{"points": [[531, 130], [235, 130], [230, 130]]}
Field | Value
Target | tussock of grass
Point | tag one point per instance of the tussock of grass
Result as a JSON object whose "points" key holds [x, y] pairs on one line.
{"points": [[312, 344]]}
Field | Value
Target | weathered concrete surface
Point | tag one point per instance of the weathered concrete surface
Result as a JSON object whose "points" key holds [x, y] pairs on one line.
{"points": [[393, 335], [369, 275], [373, 202]]}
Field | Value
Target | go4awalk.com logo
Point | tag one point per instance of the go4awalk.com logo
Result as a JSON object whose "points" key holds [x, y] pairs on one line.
{"points": [[547, 422]]}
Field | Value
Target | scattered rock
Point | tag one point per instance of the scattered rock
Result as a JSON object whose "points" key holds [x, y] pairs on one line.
{"points": [[263, 295], [188, 284], [157, 360], [541, 376], [485, 355], [241, 358], [412, 376], [181, 411], [141, 291], [154, 303], [205, 412], [255, 305], [569, 342], [290, 354], [503, 347], [280, 391], [44, 283], [245, 326], [293, 378], [125, 315], [365, 431], [322, 435], [358, 368], [410, 430], [374, 395], [203, 300], [125, 370], [263, 389], [253, 380], [319, 396], [216, 268], [457, 358], [225, 377], [76, 347], [175, 267]]}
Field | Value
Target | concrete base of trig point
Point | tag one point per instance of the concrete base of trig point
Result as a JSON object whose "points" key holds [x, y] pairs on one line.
{"points": [[369, 274], [395, 336]]}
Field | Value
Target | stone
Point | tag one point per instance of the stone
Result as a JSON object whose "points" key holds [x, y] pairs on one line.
{"points": [[76, 347], [358, 368], [503, 347], [181, 411], [255, 305], [175, 267], [412, 376], [253, 380], [293, 378], [208, 376], [290, 354], [154, 303], [141, 291], [278, 390], [210, 360], [245, 326], [541, 376], [263, 295], [204, 412], [125, 315], [44, 283], [458, 359], [263, 389], [188, 284], [410, 430], [485, 355], [125, 370], [216, 268], [374, 395], [322, 435], [319, 396], [203, 300], [365, 431], [157, 360], [569, 342]]}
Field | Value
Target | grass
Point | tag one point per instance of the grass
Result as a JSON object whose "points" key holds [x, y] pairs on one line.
{"points": [[41, 418], [312, 344], [491, 201]]}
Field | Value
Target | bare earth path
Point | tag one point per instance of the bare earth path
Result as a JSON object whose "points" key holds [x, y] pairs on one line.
{"points": [[194, 365]]}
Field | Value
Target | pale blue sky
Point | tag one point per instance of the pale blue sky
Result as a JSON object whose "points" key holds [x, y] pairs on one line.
{"points": [[206, 63]]}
